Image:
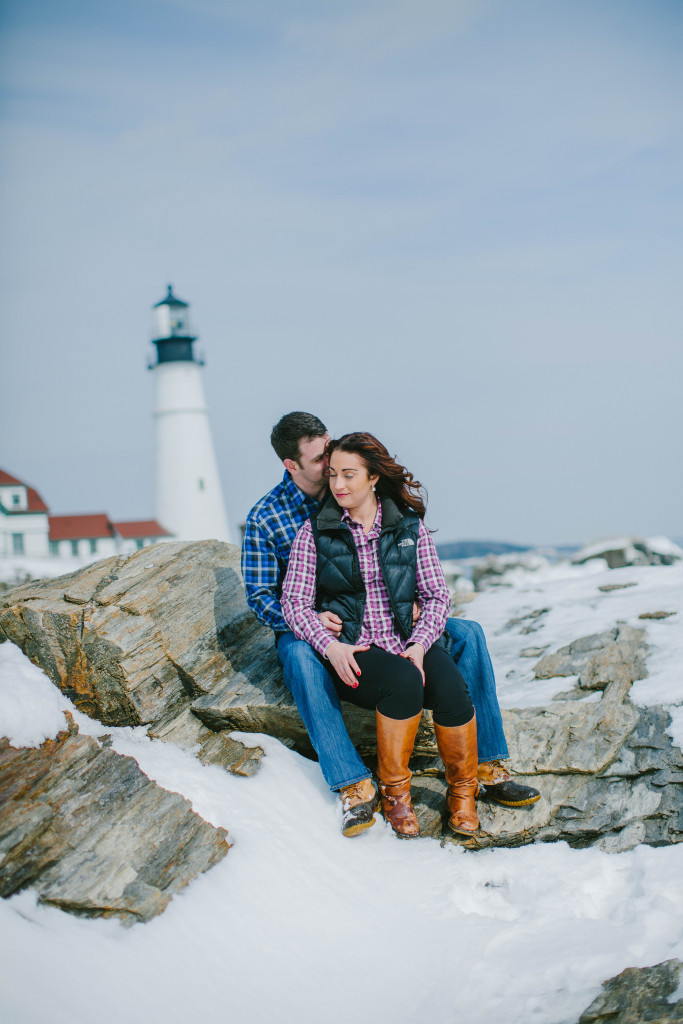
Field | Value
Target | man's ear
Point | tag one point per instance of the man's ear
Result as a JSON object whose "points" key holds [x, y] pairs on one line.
{"points": [[290, 465]]}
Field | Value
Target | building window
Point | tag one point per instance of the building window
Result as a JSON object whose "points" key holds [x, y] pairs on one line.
{"points": [[17, 543], [93, 547], [201, 484], [16, 500], [74, 548], [54, 547], [139, 544]]}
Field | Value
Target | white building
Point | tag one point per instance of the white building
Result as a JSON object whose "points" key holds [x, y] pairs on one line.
{"points": [[27, 528], [23, 519], [189, 497]]}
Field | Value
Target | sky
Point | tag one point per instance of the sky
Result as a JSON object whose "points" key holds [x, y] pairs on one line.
{"points": [[454, 223]]}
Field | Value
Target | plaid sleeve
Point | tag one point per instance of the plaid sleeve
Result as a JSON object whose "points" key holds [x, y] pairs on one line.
{"points": [[432, 592], [261, 574], [298, 593]]}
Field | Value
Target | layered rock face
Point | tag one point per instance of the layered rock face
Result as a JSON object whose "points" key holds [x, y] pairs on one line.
{"points": [[637, 995], [86, 829], [164, 638]]}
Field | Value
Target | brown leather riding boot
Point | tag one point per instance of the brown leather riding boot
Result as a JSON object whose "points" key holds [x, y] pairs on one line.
{"points": [[458, 751], [395, 741]]}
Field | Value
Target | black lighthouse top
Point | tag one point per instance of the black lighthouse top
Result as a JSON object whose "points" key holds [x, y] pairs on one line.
{"points": [[174, 335]]}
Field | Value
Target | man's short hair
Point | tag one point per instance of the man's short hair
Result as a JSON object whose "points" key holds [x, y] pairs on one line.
{"points": [[291, 430]]}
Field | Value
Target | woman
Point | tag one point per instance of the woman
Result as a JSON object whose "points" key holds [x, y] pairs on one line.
{"points": [[367, 557]]}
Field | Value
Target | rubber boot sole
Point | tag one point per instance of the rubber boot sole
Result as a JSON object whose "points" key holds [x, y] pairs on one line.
{"points": [[515, 803], [354, 830]]}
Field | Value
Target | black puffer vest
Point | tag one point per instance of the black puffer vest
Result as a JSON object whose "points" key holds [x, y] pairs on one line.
{"points": [[339, 584]]}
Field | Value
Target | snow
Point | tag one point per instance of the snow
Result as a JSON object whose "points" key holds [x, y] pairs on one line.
{"points": [[664, 546], [299, 923], [16, 569], [31, 707], [575, 608]]}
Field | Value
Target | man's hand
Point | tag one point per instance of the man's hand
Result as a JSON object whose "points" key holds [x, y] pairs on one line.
{"points": [[332, 622], [416, 613], [416, 654], [341, 658]]}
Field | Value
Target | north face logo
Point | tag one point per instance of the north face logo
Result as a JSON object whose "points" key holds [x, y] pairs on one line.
{"points": [[407, 542]]}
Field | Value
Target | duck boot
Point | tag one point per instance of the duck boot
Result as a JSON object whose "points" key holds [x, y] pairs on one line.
{"points": [[457, 747], [395, 741], [500, 787], [359, 803]]}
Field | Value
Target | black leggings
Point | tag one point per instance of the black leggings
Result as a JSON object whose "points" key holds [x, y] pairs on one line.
{"points": [[393, 685]]}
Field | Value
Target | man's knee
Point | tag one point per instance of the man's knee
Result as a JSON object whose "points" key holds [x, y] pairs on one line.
{"points": [[296, 654], [466, 631], [302, 670]]}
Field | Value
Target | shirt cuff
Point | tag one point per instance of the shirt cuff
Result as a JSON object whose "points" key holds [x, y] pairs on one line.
{"points": [[421, 636]]}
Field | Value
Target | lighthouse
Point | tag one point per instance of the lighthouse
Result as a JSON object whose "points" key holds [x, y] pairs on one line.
{"points": [[189, 499]]}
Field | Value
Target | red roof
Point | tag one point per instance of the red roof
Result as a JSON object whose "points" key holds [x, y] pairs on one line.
{"points": [[34, 501], [5, 478], [139, 528], [87, 527]]}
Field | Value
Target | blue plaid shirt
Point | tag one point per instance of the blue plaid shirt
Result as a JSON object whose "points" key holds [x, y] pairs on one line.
{"points": [[271, 527]]}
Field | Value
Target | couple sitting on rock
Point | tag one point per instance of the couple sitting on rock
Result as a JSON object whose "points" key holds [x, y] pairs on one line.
{"points": [[338, 562]]}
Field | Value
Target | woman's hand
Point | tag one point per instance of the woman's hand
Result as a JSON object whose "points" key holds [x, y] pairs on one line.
{"points": [[416, 654], [341, 658]]}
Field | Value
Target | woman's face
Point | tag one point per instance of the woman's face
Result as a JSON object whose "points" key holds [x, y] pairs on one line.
{"points": [[350, 482]]}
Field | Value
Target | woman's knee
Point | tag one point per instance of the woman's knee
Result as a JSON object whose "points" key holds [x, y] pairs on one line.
{"points": [[446, 691], [403, 692]]}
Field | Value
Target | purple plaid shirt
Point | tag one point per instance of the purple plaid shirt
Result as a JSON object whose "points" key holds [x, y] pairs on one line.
{"points": [[298, 592]]}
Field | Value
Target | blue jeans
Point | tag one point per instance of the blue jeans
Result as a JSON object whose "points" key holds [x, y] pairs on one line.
{"points": [[311, 685], [474, 661]]}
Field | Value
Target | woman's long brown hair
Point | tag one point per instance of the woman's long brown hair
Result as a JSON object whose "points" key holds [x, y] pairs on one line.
{"points": [[394, 480]]}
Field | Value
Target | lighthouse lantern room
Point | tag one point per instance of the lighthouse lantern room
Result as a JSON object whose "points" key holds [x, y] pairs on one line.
{"points": [[189, 498]]}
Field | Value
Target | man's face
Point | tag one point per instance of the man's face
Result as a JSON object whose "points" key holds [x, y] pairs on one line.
{"points": [[309, 472]]}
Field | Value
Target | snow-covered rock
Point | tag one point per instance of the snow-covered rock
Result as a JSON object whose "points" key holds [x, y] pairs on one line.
{"points": [[166, 640], [621, 551], [499, 570], [90, 833]]}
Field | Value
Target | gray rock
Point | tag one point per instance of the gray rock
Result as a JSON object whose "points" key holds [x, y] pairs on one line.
{"points": [[622, 661], [639, 995], [86, 829], [617, 655], [574, 658]]}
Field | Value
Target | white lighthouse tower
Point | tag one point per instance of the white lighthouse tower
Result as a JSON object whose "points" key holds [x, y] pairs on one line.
{"points": [[189, 499]]}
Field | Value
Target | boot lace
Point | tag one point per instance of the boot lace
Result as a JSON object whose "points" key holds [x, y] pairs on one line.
{"points": [[351, 793]]}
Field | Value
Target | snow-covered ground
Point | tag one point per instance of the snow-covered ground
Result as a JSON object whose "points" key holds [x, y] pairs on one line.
{"points": [[16, 569], [299, 924]]}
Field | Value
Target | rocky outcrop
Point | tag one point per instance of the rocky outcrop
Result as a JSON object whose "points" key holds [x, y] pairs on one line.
{"points": [[621, 551], [134, 641], [164, 638], [608, 773], [637, 995], [85, 828]]}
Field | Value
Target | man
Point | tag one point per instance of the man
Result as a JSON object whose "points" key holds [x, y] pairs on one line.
{"points": [[299, 440]]}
